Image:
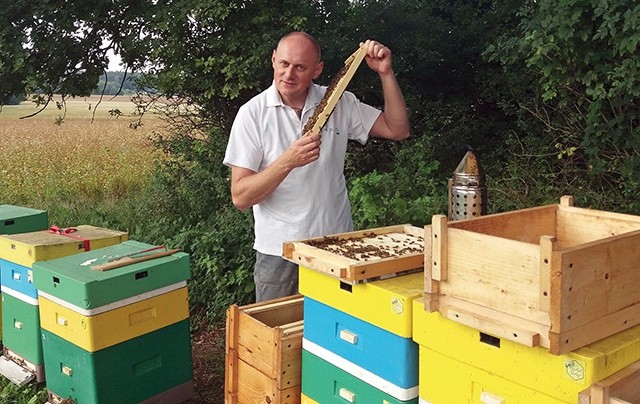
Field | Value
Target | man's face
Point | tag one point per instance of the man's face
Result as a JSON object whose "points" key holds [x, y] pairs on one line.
{"points": [[295, 64]]}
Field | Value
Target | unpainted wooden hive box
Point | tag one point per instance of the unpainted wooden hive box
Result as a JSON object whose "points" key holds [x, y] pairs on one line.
{"points": [[557, 276], [264, 352]]}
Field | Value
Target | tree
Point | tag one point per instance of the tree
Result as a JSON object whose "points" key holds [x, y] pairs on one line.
{"points": [[573, 66], [60, 47]]}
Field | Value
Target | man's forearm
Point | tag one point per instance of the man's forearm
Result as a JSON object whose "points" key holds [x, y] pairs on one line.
{"points": [[395, 109]]}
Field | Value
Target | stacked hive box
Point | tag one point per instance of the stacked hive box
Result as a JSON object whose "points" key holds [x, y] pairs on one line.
{"points": [[21, 321], [528, 306], [357, 344], [121, 332], [17, 219], [461, 364], [263, 350]]}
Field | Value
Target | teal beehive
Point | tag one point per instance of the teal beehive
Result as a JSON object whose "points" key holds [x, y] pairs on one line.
{"points": [[18, 219], [130, 372], [75, 279]]}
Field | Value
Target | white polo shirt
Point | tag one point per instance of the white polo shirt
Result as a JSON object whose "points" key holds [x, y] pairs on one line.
{"points": [[312, 201]]}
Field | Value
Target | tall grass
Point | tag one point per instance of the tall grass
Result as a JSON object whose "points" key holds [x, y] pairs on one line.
{"points": [[89, 164], [89, 169]]}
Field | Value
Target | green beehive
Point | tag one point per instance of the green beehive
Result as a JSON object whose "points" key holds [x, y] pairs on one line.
{"points": [[17, 219], [21, 327], [75, 279], [130, 372], [323, 382]]}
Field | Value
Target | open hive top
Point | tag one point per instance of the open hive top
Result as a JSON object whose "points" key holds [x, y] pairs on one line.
{"points": [[361, 255]]}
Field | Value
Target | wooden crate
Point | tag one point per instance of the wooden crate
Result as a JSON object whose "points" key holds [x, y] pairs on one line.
{"points": [[360, 255], [557, 276], [620, 388], [264, 351]]}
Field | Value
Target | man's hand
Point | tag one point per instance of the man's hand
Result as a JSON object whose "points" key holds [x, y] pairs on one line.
{"points": [[378, 56], [303, 151]]}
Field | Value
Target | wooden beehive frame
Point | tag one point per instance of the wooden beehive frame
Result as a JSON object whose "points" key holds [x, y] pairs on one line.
{"points": [[393, 240], [541, 276]]}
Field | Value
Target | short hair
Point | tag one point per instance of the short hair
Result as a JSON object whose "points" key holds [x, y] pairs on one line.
{"points": [[311, 39]]}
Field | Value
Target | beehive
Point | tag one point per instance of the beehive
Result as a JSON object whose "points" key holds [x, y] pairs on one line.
{"points": [[108, 325], [263, 351], [73, 280], [337, 385], [622, 387], [385, 303], [462, 364], [379, 357], [26, 248], [18, 219], [90, 315], [556, 276], [18, 254], [128, 372]]}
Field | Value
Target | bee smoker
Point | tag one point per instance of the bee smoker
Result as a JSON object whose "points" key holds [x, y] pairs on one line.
{"points": [[467, 189]]}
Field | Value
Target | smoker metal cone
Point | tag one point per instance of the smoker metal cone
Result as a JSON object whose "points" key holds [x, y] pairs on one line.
{"points": [[469, 165]]}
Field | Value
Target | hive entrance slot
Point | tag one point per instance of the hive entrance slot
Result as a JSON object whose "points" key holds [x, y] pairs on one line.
{"points": [[346, 286], [490, 340]]}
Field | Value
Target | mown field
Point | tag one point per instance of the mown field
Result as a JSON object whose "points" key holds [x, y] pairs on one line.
{"points": [[85, 170]]}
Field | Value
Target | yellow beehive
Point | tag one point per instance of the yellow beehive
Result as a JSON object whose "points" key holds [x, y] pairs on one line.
{"points": [[462, 364], [557, 276], [108, 325], [26, 248], [384, 303]]}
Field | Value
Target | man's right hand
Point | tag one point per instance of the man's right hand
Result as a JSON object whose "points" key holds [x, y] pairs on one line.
{"points": [[303, 151]]}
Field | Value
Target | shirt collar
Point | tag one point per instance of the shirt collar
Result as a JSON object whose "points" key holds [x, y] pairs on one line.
{"points": [[313, 96]]}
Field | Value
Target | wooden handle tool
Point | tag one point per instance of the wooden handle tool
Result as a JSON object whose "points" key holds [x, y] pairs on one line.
{"points": [[124, 261]]}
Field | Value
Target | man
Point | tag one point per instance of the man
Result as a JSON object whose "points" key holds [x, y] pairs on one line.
{"points": [[296, 184]]}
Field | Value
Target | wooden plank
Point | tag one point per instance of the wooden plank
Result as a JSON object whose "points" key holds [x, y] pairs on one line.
{"points": [[371, 253], [231, 357], [566, 200], [360, 272], [579, 225], [526, 225], [278, 312], [494, 272], [439, 243], [231, 377], [256, 387], [432, 287], [598, 279], [124, 261], [256, 344], [525, 330], [334, 92], [622, 387], [546, 251], [603, 327], [492, 326], [291, 362]]}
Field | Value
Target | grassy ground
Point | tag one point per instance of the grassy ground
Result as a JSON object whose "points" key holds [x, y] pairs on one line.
{"points": [[88, 169]]}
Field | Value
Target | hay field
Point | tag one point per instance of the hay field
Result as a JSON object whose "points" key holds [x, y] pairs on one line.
{"points": [[87, 159]]}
